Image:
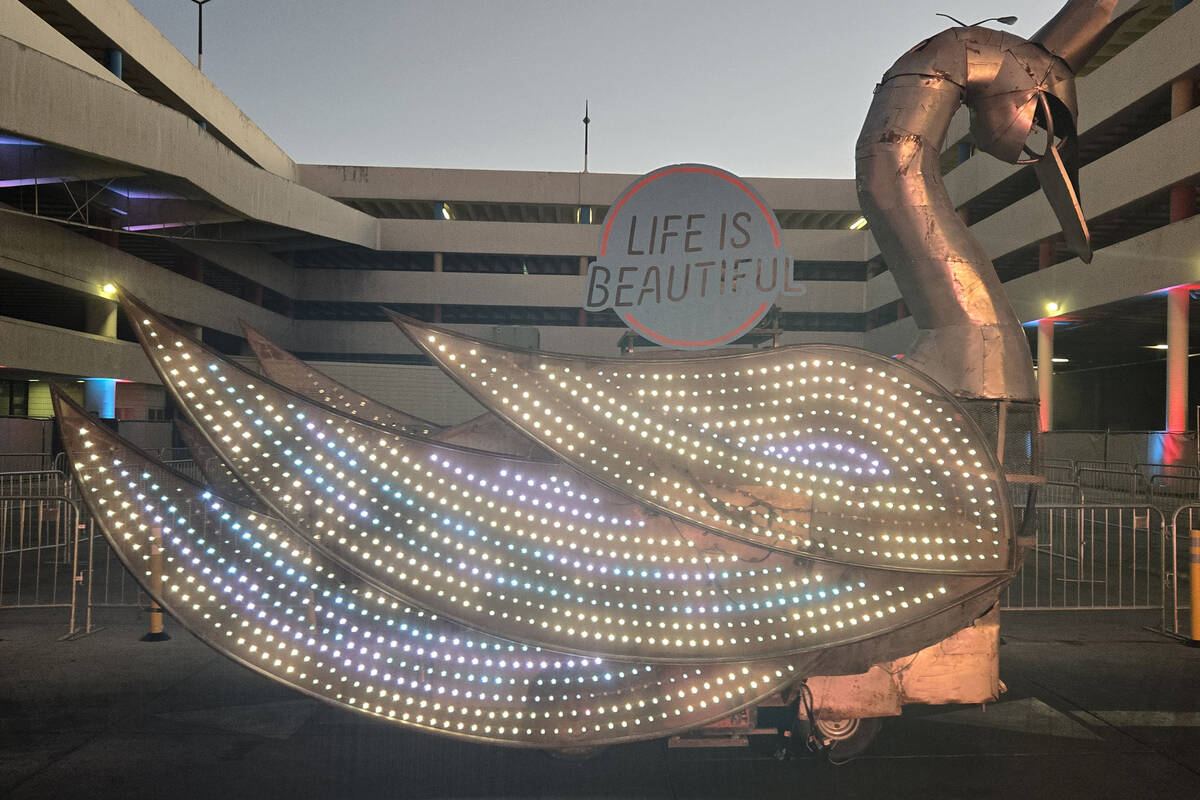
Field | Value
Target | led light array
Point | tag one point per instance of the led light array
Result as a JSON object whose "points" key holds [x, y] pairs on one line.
{"points": [[525, 554], [282, 367], [486, 432], [731, 443], [216, 473], [248, 587]]}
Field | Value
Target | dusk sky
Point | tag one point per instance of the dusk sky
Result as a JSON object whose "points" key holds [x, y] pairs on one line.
{"points": [[757, 87]]}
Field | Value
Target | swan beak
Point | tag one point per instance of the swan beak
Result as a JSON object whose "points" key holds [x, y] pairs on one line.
{"points": [[1061, 186]]}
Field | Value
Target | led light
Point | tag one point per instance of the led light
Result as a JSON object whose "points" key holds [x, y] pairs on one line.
{"points": [[529, 550], [247, 586], [1052, 307], [858, 224], [726, 449]]}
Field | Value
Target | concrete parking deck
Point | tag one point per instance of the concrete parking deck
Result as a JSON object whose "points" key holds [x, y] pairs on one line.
{"points": [[1097, 707]]}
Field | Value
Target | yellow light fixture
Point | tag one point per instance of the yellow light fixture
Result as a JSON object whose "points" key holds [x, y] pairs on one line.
{"points": [[109, 288], [858, 224], [1052, 307], [1159, 347]]}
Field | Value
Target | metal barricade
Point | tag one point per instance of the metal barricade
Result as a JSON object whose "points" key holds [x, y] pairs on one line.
{"points": [[1169, 487], [1060, 493], [172, 454], [1149, 468], [1118, 466], [39, 552], [187, 468], [1059, 472], [107, 583], [1176, 574], [1092, 557], [1112, 486], [44, 483]]}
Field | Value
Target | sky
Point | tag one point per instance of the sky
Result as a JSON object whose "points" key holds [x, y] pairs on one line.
{"points": [[757, 87]]}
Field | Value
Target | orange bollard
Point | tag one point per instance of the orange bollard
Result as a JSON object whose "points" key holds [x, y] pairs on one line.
{"points": [[1194, 574], [156, 634]]}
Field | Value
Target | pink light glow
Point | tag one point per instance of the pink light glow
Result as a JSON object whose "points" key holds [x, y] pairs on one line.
{"points": [[156, 226]]}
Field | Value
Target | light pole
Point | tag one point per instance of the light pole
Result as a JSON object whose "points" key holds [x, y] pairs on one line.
{"points": [[200, 34], [1001, 20]]}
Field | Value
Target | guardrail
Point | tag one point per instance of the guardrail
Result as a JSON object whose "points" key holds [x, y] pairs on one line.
{"points": [[1175, 487], [1175, 570], [1058, 472], [1060, 493], [35, 482], [1103, 486], [1091, 557], [51, 555], [39, 552], [1087, 556]]}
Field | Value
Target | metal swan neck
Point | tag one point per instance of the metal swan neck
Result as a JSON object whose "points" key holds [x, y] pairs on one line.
{"points": [[970, 339]]}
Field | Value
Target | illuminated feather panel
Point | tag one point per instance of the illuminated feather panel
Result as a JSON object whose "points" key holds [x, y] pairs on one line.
{"points": [[824, 451], [522, 549], [254, 590]]}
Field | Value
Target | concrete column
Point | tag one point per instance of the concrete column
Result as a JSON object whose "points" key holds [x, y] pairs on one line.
{"points": [[1178, 302], [437, 262], [100, 397], [1045, 253], [1183, 206], [100, 394], [100, 317], [1045, 350], [1045, 376]]}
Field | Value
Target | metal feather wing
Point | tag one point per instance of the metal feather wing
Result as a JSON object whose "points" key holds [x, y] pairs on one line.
{"points": [[823, 451]]}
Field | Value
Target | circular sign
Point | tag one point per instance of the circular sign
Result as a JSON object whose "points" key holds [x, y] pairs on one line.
{"points": [[690, 257]]}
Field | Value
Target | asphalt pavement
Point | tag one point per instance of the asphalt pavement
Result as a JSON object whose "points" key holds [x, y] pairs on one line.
{"points": [[1097, 707]]}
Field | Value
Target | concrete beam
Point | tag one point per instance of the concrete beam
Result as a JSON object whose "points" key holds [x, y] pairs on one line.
{"points": [[50, 253], [547, 238], [1156, 260], [380, 286], [142, 43], [558, 188], [44, 348], [22, 25], [45, 100]]}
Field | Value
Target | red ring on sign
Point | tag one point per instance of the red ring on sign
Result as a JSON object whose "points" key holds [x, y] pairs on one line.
{"points": [[637, 187], [708, 343]]}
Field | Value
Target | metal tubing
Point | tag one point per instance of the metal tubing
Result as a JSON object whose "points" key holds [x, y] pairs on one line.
{"points": [[75, 576], [24, 511], [970, 339]]}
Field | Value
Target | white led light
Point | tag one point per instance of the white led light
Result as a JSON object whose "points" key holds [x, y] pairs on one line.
{"points": [[465, 535]]}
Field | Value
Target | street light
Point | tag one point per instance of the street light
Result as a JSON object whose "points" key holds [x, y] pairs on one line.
{"points": [[1001, 20], [200, 34]]}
